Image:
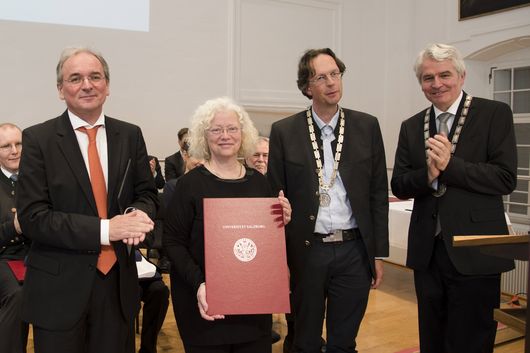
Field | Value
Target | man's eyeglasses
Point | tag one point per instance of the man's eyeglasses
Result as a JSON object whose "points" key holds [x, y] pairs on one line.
{"points": [[9, 147], [77, 80], [231, 130], [321, 79]]}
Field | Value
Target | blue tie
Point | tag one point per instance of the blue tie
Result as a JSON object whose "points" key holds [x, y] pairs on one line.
{"points": [[14, 177], [327, 138]]}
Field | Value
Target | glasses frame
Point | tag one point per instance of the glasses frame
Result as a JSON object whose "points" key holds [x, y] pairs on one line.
{"points": [[218, 131], [335, 76], [94, 78], [9, 147]]}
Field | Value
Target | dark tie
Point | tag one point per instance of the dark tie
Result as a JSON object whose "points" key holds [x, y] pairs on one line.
{"points": [[444, 128], [14, 178], [107, 257]]}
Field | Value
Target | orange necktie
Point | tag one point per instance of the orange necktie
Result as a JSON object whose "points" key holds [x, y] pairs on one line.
{"points": [[107, 257]]}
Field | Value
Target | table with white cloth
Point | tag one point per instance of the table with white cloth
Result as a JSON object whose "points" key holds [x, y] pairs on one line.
{"points": [[398, 226]]}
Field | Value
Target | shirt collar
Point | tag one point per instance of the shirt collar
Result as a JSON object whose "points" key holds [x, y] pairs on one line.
{"points": [[77, 122], [320, 123], [6, 172], [452, 109]]}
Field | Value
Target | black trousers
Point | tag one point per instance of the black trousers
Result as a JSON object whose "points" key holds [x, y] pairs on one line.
{"points": [[336, 279], [13, 332], [261, 345], [455, 311], [102, 329], [155, 296]]}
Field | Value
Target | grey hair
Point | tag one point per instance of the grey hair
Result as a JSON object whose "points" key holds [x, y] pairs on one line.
{"points": [[9, 125], [439, 52], [262, 138], [258, 140], [72, 51], [202, 119]]}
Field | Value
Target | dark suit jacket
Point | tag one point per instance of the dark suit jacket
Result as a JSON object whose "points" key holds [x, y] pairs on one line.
{"points": [[12, 245], [482, 169], [362, 169], [174, 166], [57, 210]]}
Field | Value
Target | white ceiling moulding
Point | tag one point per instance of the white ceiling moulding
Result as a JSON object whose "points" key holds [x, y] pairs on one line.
{"points": [[495, 50]]}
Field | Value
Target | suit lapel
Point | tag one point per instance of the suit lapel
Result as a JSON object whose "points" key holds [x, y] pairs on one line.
{"points": [[68, 145], [350, 144], [458, 114], [5, 180], [115, 161], [307, 151]]}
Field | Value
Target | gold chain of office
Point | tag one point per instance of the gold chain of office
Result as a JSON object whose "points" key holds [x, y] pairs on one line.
{"points": [[325, 199], [454, 141]]}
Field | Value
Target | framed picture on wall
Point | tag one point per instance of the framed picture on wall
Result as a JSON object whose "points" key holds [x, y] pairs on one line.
{"points": [[475, 8]]}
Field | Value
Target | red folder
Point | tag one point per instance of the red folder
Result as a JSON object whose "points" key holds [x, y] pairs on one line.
{"points": [[18, 269], [245, 257], [394, 199]]}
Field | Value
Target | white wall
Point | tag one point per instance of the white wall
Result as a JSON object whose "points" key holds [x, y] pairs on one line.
{"points": [[158, 78], [249, 49]]}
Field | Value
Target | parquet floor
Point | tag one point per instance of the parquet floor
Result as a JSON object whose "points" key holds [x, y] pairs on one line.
{"points": [[389, 325]]}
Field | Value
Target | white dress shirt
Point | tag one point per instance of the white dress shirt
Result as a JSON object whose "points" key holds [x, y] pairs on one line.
{"points": [[338, 215], [101, 143]]}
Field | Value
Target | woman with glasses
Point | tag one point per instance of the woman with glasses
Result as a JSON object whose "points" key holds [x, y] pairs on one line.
{"points": [[222, 134]]}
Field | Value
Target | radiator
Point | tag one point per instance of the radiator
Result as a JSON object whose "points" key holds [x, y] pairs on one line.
{"points": [[515, 281]]}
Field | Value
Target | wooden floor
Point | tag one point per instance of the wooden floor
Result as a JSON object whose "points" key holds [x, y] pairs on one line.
{"points": [[389, 325]]}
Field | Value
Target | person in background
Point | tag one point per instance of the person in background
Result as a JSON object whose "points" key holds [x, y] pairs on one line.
{"points": [[155, 295], [86, 196], [330, 161], [169, 189], [221, 133], [153, 241], [174, 165], [260, 158], [190, 163], [13, 244], [156, 171], [457, 159]]}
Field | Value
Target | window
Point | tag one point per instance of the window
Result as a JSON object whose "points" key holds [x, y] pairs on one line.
{"points": [[512, 86]]}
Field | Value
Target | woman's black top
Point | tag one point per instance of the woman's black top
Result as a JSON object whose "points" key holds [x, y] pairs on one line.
{"points": [[184, 243]]}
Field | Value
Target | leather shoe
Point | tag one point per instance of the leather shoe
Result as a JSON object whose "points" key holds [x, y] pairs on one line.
{"points": [[164, 265], [275, 336]]}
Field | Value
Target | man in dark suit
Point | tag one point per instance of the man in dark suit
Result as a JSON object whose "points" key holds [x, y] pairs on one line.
{"points": [[457, 175], [337, 185], [174, 165], [13, 244], [78, 174]]}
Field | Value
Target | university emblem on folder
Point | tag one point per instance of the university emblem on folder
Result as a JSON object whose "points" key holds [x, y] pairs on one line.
{"points": [[245, 249]]}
